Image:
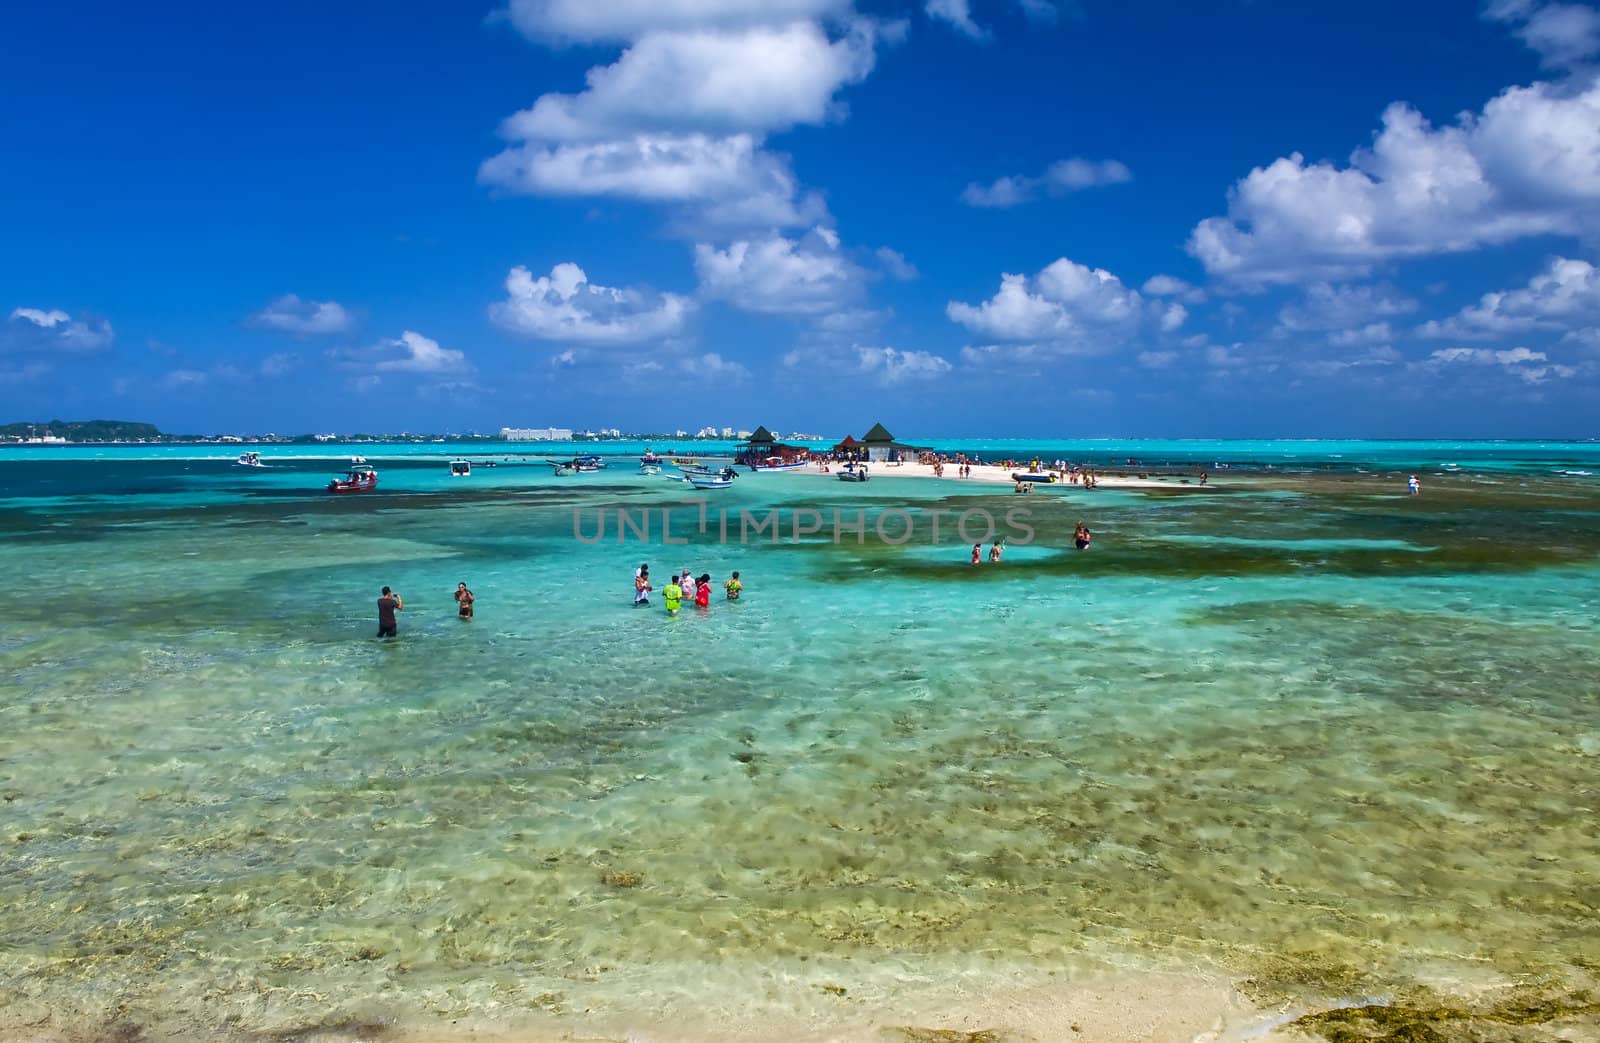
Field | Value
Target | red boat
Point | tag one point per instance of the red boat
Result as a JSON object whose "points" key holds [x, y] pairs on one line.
{"points": [[359, 480]]}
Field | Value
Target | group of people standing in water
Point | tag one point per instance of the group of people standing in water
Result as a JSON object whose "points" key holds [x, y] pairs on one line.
{"points": [[389, 603], [684, 587]]}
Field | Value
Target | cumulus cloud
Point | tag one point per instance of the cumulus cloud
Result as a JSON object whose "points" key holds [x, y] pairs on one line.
{"points": [[712, 366], [1531, 367], [53, 330], [1328, 306], [1565, 293], [681, 116], [1561, 34], [758, 79], [780, 276], [421, 355], [1065, 300], [1170, 286], [1067, 175], [895, 263], [895, 367], [565, 306], [1529, 164], [290, 314], [620, 20], [877, 364], [45, 319], [958, 15]]}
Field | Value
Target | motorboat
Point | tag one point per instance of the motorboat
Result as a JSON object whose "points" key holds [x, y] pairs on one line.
{"points": [[650, 457], [460, 468], [778, 463], [249, 460], [853, 474], [648, 468], [563, 467], [718, 480], [588, 463], [1035, 477], [359, 479]]}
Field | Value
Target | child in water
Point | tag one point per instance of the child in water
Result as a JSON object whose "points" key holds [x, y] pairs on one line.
{"points": [[702, 591], [733, 587], [977, 553], [673, 595]]}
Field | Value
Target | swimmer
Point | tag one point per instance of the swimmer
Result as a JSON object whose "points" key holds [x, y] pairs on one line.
{"points": [[994, 553], [673, 595], [977, 553], [1413, 485], [464, 600], [388, 604], [1081, 536], [733, 587], [702, 591], [641, 586]]}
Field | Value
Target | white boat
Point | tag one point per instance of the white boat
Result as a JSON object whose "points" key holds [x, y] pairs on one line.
{"points": [[649, 468], [720, 480], [249, 460], [460, 468]]}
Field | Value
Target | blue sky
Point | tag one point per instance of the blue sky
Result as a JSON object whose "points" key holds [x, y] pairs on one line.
{"points": [[962, 217]]}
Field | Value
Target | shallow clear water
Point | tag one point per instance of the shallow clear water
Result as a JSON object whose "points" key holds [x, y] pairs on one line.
{"points": [[1283, 727]]}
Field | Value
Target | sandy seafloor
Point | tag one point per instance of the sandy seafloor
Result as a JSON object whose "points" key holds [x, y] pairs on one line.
{"points": [[1287, 744]]}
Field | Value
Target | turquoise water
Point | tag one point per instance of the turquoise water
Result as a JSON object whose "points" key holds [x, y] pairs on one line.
{"points": [[1300, 728]]}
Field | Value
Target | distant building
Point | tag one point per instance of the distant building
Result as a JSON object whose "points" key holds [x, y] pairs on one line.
{"points": [[727, 432], [536, 434]]}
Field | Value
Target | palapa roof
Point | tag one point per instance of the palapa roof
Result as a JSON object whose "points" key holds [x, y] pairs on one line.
{"points": [[847, 442], [879, 435], [761, 434]]}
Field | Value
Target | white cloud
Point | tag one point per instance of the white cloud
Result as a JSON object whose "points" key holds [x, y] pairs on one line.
{"points": [[729, 179], [304, 318], [1157, 359], [38, 329], [180, 379], [1371, 333], [959, 15], [713, 366], [1532, 367], [879, 365], [895, 263], [752, 80], [46, 319], [1001, 194], [1566, 292], [1327, 306], [1064, 300], [565, 306], [1173, 317], [620, 20], [1067, 175], [680, 117], [1562, 34], [1169, 286], [1529, 164], [894, 366], [422, 355], [779, 276]]}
